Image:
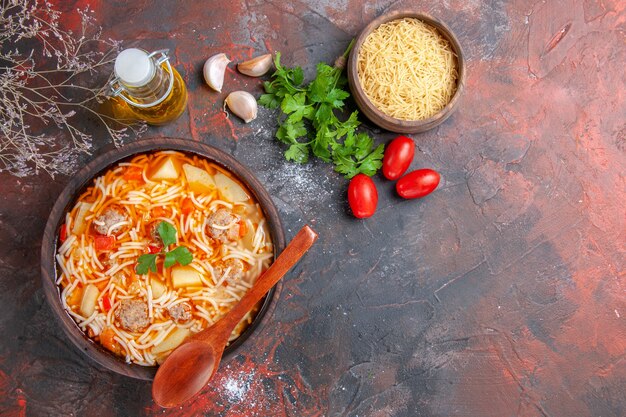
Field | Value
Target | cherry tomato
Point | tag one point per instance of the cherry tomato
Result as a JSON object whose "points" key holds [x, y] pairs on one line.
{"points": [[362, 196], [398, 157], [418, 183]]}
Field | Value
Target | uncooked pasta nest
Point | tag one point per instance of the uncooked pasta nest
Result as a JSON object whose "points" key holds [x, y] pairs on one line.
{"points": [[407, 69]]}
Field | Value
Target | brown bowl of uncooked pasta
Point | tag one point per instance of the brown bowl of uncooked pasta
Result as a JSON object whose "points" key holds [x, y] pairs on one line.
{"points": [[151, 243], [406, 71]]}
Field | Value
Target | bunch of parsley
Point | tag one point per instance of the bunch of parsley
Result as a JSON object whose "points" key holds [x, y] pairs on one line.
{"points": [[309, 122], [180, 254]]}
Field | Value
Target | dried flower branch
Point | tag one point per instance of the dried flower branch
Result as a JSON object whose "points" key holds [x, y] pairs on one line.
{"points": [[52, 85]]}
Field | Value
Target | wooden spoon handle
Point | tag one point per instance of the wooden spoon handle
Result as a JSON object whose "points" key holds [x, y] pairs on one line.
{"points": [[300, 244]]}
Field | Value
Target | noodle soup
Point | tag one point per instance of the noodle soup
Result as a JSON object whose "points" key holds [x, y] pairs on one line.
{"points": [[121, 220]]}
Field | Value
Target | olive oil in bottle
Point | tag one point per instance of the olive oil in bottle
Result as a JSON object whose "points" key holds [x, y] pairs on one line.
{"points": [[146, 87]]}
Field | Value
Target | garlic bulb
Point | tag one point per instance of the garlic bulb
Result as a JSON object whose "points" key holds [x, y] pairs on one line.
{"points": [[213, 71], [242, 104], [256, 67]]}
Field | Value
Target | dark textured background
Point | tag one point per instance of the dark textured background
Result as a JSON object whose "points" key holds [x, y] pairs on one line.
{"points": [[501, 294]]}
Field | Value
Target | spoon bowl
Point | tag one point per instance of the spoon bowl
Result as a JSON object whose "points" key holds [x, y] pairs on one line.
{"points": [[190, 366], [198, 361]]}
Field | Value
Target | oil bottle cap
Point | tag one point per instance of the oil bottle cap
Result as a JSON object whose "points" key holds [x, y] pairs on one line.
{"points": [[134, 67]]}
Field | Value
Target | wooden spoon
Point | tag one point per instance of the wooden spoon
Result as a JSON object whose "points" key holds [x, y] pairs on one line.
{"points": [[189, 367]]}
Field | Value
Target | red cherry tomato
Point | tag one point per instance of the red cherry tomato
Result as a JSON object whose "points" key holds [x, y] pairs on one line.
{"points": [[418, 183], [398, 157], [362, 196]]}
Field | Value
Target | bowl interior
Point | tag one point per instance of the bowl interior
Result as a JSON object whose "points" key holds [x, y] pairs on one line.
{"points": [[83, 179], [382, 119]]}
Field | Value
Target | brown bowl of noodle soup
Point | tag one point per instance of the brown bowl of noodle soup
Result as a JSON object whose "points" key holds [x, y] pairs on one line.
{"points": [[147, 203]]}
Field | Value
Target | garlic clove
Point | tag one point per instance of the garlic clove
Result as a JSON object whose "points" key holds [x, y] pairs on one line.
{"points": [[256, 67], [242, 104], [213, 71]]}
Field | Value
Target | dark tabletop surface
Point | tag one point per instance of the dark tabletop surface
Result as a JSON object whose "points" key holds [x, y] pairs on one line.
{"points": [[501, 294]]}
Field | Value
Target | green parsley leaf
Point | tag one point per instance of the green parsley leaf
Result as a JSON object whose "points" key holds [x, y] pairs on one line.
{"points": [[363, 146], [296, 76], [346, 162], [269, 88], [298, 152], [184, 257], [281, 135], [314, 111], [372, 162], [294, 105], [335, 97], [167, 233], [170, 259], [348, 128], [146, 263], [321, 143], [286, 79], [323, 83], [294, 130], [269, 100], [345, 167], [181, 255]]}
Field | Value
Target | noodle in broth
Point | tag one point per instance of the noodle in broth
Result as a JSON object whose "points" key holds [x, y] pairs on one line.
{"points": [[144, 317]]}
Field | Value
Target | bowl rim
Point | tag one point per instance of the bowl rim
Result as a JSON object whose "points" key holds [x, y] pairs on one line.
{"points": [[83, 178], [382, 119]]}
